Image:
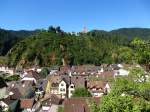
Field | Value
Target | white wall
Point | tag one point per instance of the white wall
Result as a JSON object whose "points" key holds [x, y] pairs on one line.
{"points": [[2, 92], [62, 88], [70, 90]]}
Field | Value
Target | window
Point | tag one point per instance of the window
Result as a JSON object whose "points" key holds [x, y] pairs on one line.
{"points": [[71, 92], [71, 86], [62, 89], [62, 84]]}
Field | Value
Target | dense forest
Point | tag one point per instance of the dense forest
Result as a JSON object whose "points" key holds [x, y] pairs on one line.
{"points": [[56, 47], [9, 38]]}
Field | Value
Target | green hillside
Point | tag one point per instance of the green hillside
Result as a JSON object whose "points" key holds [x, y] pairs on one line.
{"points": [[130, 33], [50, 47], [9, 38]]}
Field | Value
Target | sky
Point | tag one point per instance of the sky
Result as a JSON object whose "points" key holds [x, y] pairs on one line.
{"points": [[73, 15]]}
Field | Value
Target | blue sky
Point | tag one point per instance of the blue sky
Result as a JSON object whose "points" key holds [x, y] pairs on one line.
{"points": [[73, 15]]}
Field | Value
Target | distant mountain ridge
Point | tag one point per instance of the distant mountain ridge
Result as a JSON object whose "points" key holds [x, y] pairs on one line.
{"points": [[130, 33]]}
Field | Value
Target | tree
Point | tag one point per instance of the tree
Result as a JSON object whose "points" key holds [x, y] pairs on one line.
{"points": [[60, 109], [44, 72], [137, 74], [125, 55], [12, 78], [52, 29], [58, 29], [81, 92], [124, 97], [127, 95], [142, 51]]}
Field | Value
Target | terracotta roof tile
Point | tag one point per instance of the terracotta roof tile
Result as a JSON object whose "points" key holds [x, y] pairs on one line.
{"points": [[107, 75], [33, 74], [79, 104], [26, 103], [96, 84]]}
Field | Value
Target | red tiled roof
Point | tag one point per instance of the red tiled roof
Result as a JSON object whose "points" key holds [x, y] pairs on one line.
{"points": [[96, 84], [107, 75], [79, 104], [33, 74], [26, 103]]}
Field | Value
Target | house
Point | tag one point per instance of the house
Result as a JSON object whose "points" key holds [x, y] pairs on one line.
{"points": [[25, 88], [3, 90], [7, 70], [98, 88], [71, 89], [4, 106], [85, 70], [9, 104], [121, 72], [50, 101], [62, 88], [46, 105], [107, 75], [39, 92], [26, 105], [116, 66], [79, 104], [54, 88], [31, 76], [64, 85], [74, 82], [54, 69], [15, 94], [57, 85]]}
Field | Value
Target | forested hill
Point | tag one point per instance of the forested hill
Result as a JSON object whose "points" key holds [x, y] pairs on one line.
{"points": [[22, 33], [8, 38], [130, 33], [55, 47]]}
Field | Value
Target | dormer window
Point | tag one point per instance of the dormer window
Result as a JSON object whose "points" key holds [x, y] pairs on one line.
{"points": [[62, 84], [62, 89]]}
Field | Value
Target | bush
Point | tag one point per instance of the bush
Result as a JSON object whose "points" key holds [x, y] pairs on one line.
{"points": [[81, 92]]}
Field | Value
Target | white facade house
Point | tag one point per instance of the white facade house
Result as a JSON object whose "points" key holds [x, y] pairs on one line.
{"points": [[98, 88], [96, 93], [3, 93], [4, 106], [71, 90], [3, 90], [100, 92], [7, 70], [62, 88], [121, 72]]}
